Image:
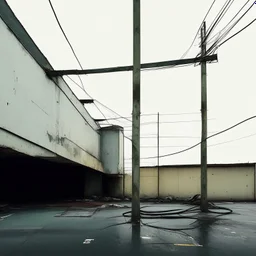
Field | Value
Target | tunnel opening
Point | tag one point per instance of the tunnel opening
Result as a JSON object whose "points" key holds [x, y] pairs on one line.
{"points": [[33, 180]]}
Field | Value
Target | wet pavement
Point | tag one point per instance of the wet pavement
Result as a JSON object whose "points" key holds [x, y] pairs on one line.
{"points": [[96, 231]]}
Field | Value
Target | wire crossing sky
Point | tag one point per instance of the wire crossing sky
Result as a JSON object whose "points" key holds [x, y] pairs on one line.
{"points": [[100, 33]]}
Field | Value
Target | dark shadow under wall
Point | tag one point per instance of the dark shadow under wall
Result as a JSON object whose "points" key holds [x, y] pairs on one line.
{"points": [[25, 179], [113, 185]]}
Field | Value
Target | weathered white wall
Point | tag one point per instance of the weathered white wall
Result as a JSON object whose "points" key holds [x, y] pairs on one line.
{"points": [[224, 182], [46, 114]]}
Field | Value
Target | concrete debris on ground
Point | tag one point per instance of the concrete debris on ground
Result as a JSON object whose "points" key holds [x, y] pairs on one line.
{"points": [[114, 206], [84, 211], [77, 213], [166, 199]]}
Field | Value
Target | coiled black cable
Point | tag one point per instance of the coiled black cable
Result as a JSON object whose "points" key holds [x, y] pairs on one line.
{"points": [[189, 213], [176, 213]]}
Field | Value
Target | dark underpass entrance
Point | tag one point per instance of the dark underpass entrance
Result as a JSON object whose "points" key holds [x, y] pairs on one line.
{"points": [[27, 179]]}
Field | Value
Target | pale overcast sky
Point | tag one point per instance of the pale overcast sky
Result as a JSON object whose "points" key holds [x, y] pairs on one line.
{"points": [[101, 34]]}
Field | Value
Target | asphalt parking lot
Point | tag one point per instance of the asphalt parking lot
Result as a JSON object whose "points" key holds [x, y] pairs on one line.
{"points": [[66, 230]]}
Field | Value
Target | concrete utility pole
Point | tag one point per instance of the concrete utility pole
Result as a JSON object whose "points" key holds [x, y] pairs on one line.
{"points": [[136, 115], [136, 68], [158, 145], [204, 201]]}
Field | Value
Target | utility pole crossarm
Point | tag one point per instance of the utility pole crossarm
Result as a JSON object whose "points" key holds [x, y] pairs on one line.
{"points": [[55, 73]]}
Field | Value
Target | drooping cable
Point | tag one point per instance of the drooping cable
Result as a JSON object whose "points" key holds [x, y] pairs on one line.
{"points": [[238, 32], [197, 144], [75, 55], [219, 17], [186, 52], [219, 33], [64, 34], [214, 45]]}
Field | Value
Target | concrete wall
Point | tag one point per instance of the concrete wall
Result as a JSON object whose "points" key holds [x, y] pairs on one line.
{"points": [[148, 183], [230, 182], [112, 149], [39, 116]]}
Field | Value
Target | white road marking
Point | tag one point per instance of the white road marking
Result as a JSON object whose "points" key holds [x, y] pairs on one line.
{"points": [[6, 216], [146, 237], [195, 242], [88, 241]]}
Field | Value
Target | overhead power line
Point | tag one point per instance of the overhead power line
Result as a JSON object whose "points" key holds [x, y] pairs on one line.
{"points": [[67, 40], [229, 141], [214, 46], [152, 114], [75, 55], [212, 145], [219, 17], [183, 56], [154, 136], [171, 146], [219, 33], [112, 111], [116, 118], [107, 119], [197, 144], [171, 122], [238, 32], [171, 137], [126, 137], [64, 34]]}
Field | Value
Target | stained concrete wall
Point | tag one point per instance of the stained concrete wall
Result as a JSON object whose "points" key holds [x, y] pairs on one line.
{"points": [[40, 116], [225, 182], [112, 149]]}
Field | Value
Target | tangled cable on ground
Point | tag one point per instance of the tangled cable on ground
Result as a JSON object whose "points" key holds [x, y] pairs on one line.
{"points": [[189, 213], [176, 213]]}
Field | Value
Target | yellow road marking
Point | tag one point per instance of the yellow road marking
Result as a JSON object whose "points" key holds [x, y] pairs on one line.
{"points": [[187, 245]]}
